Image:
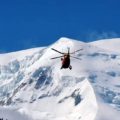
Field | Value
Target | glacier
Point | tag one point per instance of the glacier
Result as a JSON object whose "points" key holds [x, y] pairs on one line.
{"points": [[33, 87]]}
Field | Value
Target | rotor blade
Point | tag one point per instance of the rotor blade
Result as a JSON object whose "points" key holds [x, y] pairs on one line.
{"points": [[57, 51], [76, 51], [57, 57], [76, 57]]}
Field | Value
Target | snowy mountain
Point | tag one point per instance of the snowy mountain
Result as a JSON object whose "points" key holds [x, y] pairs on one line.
{"points": [[33, 87]]}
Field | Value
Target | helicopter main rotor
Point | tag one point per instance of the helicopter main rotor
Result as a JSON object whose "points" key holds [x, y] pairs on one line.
{"points": [[66, 53], [57, 51]]}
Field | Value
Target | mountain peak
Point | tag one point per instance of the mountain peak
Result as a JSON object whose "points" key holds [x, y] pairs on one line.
{"points": [[30, 79], [64, 40], [67, 40]]}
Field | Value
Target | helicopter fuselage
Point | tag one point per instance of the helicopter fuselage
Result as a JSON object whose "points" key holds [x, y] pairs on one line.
{"points": [[65, 58], [66, 61]]}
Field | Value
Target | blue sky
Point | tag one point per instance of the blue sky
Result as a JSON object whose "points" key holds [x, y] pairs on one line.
{"points": [[34, 23]]}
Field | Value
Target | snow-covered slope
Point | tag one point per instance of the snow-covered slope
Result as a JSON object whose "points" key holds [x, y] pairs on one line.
{"points": [[34, 85], [108, 44]]}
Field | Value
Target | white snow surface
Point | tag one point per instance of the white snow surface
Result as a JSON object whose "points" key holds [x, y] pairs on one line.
{"points": [[33, 87]]}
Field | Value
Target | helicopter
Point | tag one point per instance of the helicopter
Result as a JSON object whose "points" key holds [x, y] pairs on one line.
{"points": [[65, 58]]}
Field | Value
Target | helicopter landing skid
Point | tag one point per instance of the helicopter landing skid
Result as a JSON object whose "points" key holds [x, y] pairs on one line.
{"points": [[70, 67]]}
